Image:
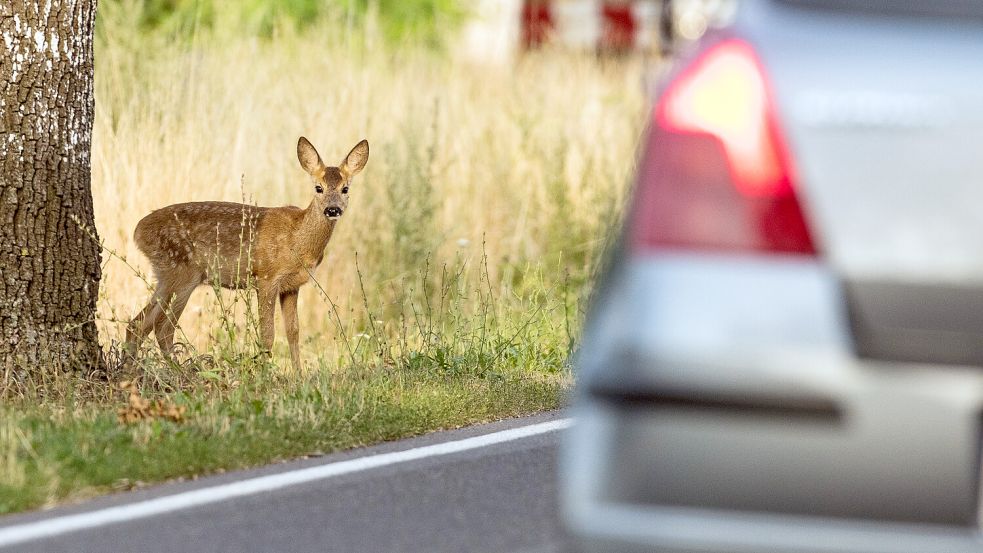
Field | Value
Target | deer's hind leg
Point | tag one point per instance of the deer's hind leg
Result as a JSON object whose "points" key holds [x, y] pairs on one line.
{"points": [[171, 310], [141, 325]]}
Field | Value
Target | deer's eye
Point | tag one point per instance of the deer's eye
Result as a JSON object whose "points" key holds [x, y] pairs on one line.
{"points": [[344, 190], [318, 189]]}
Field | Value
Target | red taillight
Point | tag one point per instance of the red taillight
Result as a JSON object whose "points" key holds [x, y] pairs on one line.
{"points": [[716, 174]]}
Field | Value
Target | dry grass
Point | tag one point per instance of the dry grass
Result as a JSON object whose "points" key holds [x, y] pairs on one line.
{"points": [[530, 161]]}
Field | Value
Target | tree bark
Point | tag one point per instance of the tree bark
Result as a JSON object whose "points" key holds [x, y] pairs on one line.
{"points": [[49, 254]]}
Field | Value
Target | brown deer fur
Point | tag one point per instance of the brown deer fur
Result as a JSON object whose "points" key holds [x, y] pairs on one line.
{"points": [[274, 249]]}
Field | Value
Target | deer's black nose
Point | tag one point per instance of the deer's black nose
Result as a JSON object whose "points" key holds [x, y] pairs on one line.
{"points": [[332, 211]]}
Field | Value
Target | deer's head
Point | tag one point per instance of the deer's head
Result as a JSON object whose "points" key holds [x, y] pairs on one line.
{"points": [[331, 183]]}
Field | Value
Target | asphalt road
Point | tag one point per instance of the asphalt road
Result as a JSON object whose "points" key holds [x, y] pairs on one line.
{"points": [[444, 492]]}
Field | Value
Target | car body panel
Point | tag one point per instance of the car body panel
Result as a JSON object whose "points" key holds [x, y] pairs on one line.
{"points": [[884, 116], [603, 525], [739, 391], [748, 401]]}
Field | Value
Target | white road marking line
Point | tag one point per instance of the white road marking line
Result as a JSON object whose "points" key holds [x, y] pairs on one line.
{"points": [[132, 511]]}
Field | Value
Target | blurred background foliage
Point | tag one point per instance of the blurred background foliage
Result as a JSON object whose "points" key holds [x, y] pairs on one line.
{"points": [[396, 22]]}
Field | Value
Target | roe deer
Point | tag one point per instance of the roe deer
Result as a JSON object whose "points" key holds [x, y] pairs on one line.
{"points": [[273, 249]]}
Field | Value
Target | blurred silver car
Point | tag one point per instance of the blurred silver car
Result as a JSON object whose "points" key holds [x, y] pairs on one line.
{"points": [[786, 353]]}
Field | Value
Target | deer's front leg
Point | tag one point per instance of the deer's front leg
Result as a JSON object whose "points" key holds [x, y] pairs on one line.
{"points": [[266, 294], [288, 306]]}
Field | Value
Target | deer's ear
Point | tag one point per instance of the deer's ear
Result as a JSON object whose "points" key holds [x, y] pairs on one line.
{"points": [[309, 160], [356, 159]]}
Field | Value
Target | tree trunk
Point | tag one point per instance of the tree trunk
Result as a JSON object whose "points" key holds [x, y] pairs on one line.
{"points": [[49, 256]]}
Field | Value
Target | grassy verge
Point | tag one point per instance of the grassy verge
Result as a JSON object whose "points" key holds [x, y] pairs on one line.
{"points": [[436, 364], [53, 454], [451, 291]]}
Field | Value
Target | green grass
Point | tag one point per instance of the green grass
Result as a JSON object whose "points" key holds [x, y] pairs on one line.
{"points": [[72, 451], [436, 364], [418, 22]]}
